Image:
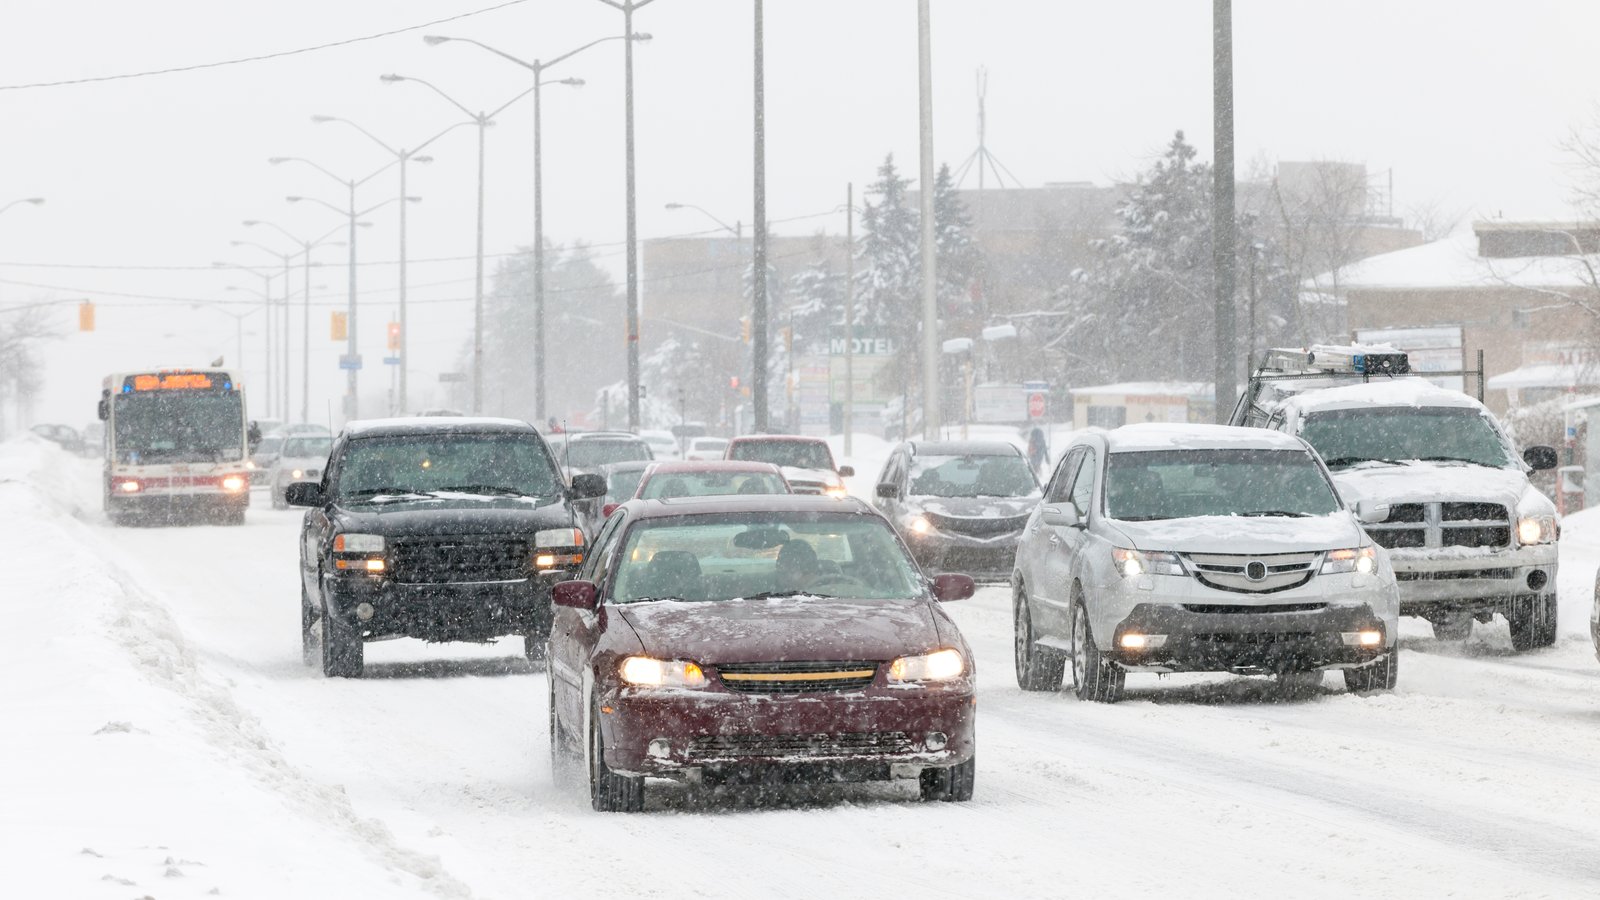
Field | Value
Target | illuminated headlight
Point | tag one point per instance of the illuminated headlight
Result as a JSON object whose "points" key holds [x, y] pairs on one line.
{"points": [[919, 524], [374, 565], [298, 473], [837, 490], [234, 483], [1370, 637], [1133, 640], [1133, 563], [557, 548], [940, 665], [642, 671], [358, 543], [1537, 530], [1355, 559], [249, 464], [129, 487]]}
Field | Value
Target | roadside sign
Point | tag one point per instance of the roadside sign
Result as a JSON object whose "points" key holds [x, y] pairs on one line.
{"points": [[1036, 405], [452, 376], [391, 360], [348, 361]]}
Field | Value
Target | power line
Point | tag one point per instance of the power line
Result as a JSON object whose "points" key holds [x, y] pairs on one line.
{"points": [[265, 56]]}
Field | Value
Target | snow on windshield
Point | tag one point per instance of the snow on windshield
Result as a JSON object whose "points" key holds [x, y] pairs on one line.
{"points": [[1346, 437], [795, 454], [464, 463], [972, 476], [1179, 484]]}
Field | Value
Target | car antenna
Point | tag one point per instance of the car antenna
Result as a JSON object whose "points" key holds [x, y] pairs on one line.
{"points": [[566, 467]]}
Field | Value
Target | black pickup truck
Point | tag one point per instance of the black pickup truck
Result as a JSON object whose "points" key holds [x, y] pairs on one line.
{"points": [[444, 529]]}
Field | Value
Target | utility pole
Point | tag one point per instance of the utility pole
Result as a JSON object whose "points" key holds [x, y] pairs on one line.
{"points": [[758, 247], [930, 272], [477, 282], [849, 314], [1222, 214]]}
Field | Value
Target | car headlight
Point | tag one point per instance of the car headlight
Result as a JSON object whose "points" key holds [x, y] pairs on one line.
{"points": [[919, 524], [298, 473], [1538, 530], [1133, 563], [940, 665], [358, 543], [643, 671], [235, 482], [557, 548], [1354, 559]]}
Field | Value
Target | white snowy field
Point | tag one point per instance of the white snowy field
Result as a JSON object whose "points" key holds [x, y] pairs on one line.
{"points": [[161, 738]]}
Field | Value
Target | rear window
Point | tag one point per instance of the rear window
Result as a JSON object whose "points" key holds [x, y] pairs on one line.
{"points": [[798, 454], [707, 484], [590, 454]]}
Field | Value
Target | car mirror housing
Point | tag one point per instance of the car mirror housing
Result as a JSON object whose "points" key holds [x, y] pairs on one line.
{"points": [[575, 595], [608, 509], [1541, 457], [888, 490], [588, 486], [1369, 512], [847, 471], [303, 493], [953, 586], [1063, 516]]}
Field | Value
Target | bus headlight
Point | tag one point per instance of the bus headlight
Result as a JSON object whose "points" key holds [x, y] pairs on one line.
{"points": [[234, 482]]}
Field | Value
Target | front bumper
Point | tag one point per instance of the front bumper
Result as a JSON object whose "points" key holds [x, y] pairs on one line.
{"points": [[442, 612], [1249, 642], [178, 503], [989, 558], [717, 736], [1455, 580]]}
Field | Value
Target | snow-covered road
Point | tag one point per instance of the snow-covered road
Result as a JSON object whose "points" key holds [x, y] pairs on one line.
{"points": [[231, 764]]}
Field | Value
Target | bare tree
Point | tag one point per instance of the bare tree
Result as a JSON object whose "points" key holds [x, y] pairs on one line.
{"points": [[1433, 219], [21, 331], [1321, 208]]}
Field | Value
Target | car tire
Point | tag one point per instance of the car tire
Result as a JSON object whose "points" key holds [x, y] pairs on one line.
{"points": [[1379, 676], [342, 649], [951, 784], [608, 791], [1533, 622], [1094, 678], [308, 622], [1037, 668]]}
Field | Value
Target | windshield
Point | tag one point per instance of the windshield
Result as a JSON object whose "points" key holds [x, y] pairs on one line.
{"points": [[972, 476], [509, 464], [591, 454], [798, 454], [621, 485], [1179, 484], [1346, 437], [704, 484], [710, 444], [307, 447], [756, 555], [174, 426]]}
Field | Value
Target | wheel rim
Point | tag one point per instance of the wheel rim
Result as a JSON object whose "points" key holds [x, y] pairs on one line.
{"points": [[1078, 636]]}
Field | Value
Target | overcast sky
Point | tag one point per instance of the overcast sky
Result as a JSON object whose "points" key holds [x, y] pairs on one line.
{"points": [[1466, 102]]}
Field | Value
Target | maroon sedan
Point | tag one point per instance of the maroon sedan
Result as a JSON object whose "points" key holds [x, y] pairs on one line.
{"points": [[771, 639]]}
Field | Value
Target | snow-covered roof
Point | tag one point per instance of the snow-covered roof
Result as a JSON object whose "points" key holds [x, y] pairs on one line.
{"points": [[1547, 375], [1393, 392], [1454, 262], [1176, 436], [401, 424], [1191, 389]]}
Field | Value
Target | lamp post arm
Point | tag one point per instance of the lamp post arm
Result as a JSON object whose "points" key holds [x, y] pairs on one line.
{"points": [[375, 139], [318, 167], [448, 99], [379, 171], [320, 202], [502, 107], [413, 151], [501, 53], [541, 65]]}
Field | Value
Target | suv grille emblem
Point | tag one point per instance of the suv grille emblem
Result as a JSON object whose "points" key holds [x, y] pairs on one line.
{"points": [[1255, 570]]}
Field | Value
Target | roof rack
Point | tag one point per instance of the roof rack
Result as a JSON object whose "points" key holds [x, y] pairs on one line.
{"points": [[1345, 361]]}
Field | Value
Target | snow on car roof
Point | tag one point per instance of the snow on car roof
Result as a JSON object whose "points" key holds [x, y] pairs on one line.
{"points": [[432, 425], [1184, 436], [1387, 392]]}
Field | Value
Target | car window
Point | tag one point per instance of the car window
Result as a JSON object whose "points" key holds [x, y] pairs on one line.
{"points": [[704, 484], [973, 475], [604, 548], [1083, 484], [581, 454], [1348, 437], [1061, 482], [622, 484], [448, 463], [798, 454], [1175, 484], [301, 447]]}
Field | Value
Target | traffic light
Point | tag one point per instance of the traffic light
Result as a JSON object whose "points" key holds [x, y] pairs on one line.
{"points": [[394, 335], [744, 329], [339, 328], [86, 316], [733, 382], [788, 339]]}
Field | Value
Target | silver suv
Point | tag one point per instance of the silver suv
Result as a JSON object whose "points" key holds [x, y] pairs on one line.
{"points": [[1199, 548]]}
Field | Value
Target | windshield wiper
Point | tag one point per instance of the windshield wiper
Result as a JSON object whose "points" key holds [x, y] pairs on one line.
{"points": [[1139, 518], [773, 595], [397, 491], [1276, 512], [1339, 462], [484, 489], [1459, 459]]}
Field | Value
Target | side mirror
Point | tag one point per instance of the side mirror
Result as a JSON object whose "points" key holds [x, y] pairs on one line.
{"points": [[103, 410], [575, 595], [587, 486], [1540, 457], [1063, 516], [953, 586], [1369, 512], [608, 509], [847, 471], [888, 490], [303, 493]]}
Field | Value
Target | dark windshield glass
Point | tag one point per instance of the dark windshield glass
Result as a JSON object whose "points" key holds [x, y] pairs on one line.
{"points": [[1345, 437], [723, 557], [704, 484], [460, 463], [590, 454], [301, 447], [1177, 484], [174, 426], [621, 485], [799, 454], [972, 476]]}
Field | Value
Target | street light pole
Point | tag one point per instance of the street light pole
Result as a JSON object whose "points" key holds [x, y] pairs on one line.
{"points": [[758, 243], [266, 301], [306, 246], [930, 297]]}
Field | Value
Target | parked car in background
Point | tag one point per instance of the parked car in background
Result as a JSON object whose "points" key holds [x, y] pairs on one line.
{"points": [[443, 529], [262, 457], [587, 451], [1199, 548], [663, 445], [64, 436], [305, 428], [738, 640], [704, 448], [807, 462], [960, 505], [622, 482], [704, 479], [301, 458]]}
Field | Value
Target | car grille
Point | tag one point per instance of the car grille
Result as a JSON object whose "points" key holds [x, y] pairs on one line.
{"points": [[800, 746], [976, 527], [458, 560], [1257, 638], [1458, 575], [796, 677], [1453, 524], [1253, 574], [1223, 609], [806, 487]]}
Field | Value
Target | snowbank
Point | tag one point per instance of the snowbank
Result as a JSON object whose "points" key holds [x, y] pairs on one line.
{"points": [[130, 770]]}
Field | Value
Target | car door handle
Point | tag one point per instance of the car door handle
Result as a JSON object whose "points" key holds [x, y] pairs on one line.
{"points": [[1055, 538]]}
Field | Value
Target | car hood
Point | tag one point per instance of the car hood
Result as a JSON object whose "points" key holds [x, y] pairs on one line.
{"points": [[1242, 534], [453, 514], [975, 507], [823, 476], [1425, 482], [783, 629]]}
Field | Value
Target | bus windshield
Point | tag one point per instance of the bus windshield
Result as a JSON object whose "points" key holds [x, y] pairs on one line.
{"points": [[177, 426]]}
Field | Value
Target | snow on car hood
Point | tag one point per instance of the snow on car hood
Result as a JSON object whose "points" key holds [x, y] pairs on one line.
{"points": [[450, 514], [1423, 482], [1244, 534], [782, 629], [976, 507]]}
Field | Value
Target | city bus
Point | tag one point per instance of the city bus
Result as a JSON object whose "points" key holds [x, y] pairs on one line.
{"points": [[176, 446]]}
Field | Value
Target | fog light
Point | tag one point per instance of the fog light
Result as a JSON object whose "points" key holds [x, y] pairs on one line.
{"points": [[364, 611], [935, 741], [375, 565], [1537, 579], [1368, 638], [660, 748], [1136, 641]]}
